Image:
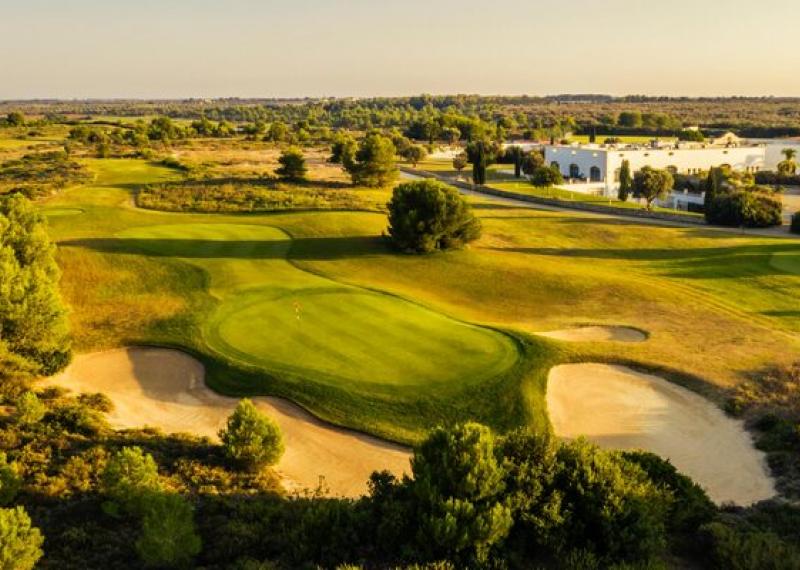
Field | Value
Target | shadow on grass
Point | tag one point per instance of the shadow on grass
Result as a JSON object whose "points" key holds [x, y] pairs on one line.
{"points": [[707, 263], [300, 249]]}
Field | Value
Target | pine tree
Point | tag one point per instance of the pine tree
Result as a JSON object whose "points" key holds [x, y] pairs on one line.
{"points": [[34, 335]]}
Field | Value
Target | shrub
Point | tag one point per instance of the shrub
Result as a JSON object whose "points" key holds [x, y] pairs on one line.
{"points": [[251, 438], [168, 536], [427, 215], [459, 485], [292, 165], [732, 549], [129, 476], [29, 409], [611, 507], [795, 227], [546, 176], [10, 481], [690, 506], [745, 207], [20, 542]]}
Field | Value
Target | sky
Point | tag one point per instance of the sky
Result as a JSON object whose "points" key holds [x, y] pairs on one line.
{"points": [[360, 48]]}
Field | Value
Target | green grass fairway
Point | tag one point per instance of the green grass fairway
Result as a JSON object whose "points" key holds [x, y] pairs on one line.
{"points": [[286, 320]]}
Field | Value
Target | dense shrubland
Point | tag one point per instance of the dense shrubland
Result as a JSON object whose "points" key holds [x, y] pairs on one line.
{"points": [[38, 175], [104, 498], [266, 196]]}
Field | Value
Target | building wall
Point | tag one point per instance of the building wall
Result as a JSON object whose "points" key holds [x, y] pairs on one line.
{"points": [[609, 160]]}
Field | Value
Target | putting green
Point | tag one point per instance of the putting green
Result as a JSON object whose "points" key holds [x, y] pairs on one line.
{"points": [[286, 320]]}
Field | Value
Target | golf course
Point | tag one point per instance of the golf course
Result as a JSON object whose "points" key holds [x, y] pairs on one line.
{"points": [[312, 306]]}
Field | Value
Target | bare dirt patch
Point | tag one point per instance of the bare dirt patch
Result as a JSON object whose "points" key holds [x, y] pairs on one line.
{"points": [[619, 408], [166, 389], [597, 333]]}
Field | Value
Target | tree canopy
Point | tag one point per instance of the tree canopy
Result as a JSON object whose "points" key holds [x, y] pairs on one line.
{"points": [[373, 163], [292, 165], [427, 215], [651, 184], [34, 337], [251, 438]]}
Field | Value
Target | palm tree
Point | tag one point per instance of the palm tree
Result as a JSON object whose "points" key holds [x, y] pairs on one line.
{"points": [[789, 153]]}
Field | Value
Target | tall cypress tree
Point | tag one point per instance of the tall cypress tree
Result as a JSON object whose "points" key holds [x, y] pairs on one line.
{"points": [[625, 181], [711, 188], [479, 163]]}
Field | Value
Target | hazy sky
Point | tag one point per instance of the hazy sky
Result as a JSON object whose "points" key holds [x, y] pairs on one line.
{"points": [[270, 48]]}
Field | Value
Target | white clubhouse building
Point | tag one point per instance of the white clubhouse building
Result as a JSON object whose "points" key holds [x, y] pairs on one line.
{"points": [[595, 168]]}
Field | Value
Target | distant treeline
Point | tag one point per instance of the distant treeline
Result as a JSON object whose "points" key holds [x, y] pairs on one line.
{"points": [[754, 116]]}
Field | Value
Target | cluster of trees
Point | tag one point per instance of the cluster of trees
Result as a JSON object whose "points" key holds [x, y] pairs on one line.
{"points": [[34, 335], [370, 162], [426, 216], [733, 199]]}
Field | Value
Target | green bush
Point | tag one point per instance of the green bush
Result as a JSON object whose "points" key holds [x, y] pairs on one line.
{"points": [[168, 538], [250, 438], [732, 549], [10, 481], [29, 410], [795, 227], [745, 207], [129, 477], [610, 505], [20, 541], [292, 165], [427, 215], [546, 176], [459, 484]]}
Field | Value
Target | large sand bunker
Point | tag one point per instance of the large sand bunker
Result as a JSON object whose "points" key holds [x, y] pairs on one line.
{"points": [[619, 408], [597, 333], [166, 389]]}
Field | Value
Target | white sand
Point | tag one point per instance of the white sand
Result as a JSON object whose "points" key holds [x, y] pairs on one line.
{"points": [[166, 389], [619, 408], [597, 333]]}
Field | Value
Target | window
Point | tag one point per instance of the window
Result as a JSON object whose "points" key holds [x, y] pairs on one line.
{"points": [[574, 171], [555, 165], [617, 172], [595, 175]]}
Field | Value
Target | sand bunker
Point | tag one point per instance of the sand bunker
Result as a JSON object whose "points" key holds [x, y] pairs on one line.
{"points": [[165, 388], [619, 408], [594, 333]]}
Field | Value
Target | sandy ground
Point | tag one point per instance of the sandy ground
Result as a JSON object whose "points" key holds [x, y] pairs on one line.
{"points": [[596, 333], [165, 388], [619, 408]]}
